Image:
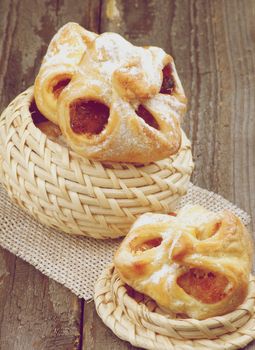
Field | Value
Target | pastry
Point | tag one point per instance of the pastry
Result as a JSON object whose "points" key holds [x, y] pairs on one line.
{"points": [[196, 264], [50, 129], [124, 103], [59, 64]]}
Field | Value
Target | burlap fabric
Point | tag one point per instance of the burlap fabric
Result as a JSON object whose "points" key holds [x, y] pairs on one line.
{"points": [[75, 262]]}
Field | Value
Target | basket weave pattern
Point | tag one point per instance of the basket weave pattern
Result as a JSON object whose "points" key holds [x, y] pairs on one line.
{"points": [[77, 195], [140, 321]]}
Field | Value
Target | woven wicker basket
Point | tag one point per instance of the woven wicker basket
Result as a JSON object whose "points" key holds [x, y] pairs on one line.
{"points": [[77, 195], [138, 319]]}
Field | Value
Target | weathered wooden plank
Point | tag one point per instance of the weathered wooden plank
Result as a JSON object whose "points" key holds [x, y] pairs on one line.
{"points": [[36, 313], [221, 104], [97, 336], [26, 28], [213, 46]]}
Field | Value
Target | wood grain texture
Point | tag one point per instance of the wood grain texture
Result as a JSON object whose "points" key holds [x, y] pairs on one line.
{"points": [[97, 336], [213, 43], [36, 313]]}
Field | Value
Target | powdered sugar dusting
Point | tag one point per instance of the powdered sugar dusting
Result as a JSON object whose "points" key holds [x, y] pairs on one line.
{"points": [[67, 46], [152, 219], [130, 76], [197, 216], [162, 273], [188, 218]]}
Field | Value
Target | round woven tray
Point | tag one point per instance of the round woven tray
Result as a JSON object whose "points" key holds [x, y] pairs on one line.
{"points": [[77, 195], [137, 319]]}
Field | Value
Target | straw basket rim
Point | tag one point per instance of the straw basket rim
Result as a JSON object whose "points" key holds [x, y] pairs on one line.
{"points": [[133, 322], [77, 195]]}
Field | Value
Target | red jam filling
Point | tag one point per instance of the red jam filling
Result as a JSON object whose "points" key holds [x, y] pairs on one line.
{"points": [[147, 117], [168, 83], [88, 117], [61, 84], [206, 286]]}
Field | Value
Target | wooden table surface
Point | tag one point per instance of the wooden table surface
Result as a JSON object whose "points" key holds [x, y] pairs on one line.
{"points": [[213, 43]]}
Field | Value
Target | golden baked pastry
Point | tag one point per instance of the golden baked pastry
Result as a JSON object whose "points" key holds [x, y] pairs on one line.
{"points": [[195, 264], [59, 64], [50, 129], [124, 103]]}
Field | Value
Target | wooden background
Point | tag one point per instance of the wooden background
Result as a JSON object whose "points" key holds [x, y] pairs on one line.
{"points": [[213, 43]]}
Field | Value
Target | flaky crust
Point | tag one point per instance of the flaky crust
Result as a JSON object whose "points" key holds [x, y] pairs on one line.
{"points": [[59, 64], [195, 264], [123, 77]]}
